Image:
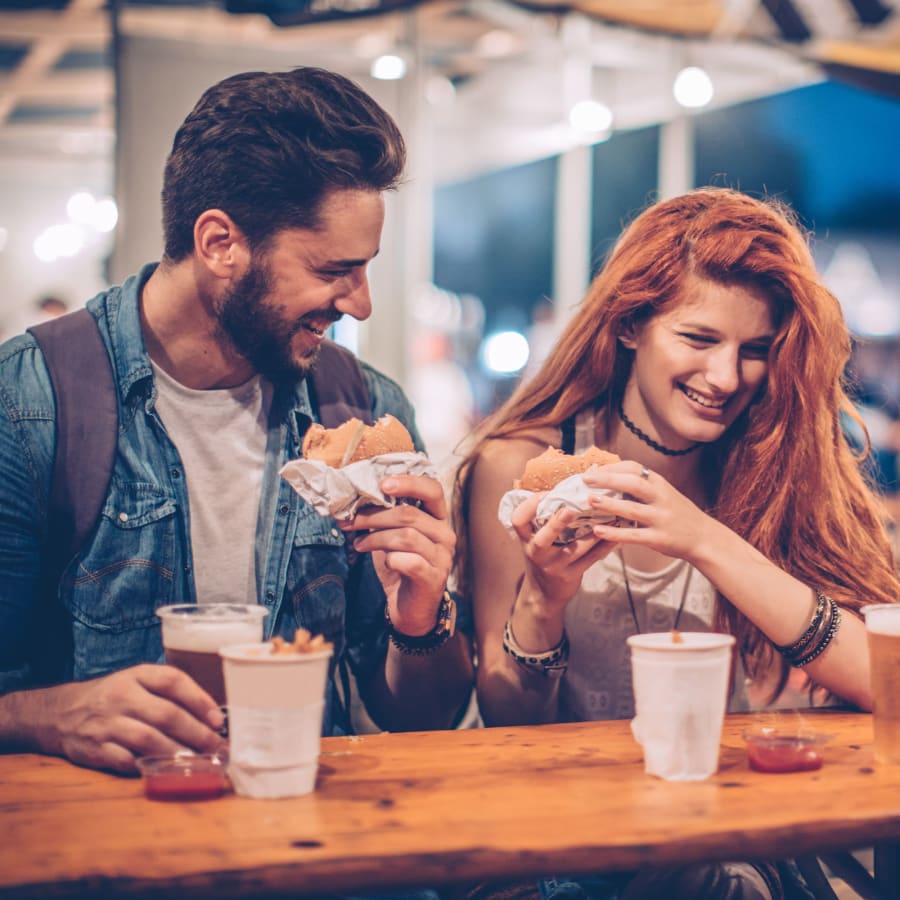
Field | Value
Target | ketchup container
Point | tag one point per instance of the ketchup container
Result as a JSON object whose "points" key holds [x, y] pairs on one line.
{"points": [[184, 776], [785, 750]]}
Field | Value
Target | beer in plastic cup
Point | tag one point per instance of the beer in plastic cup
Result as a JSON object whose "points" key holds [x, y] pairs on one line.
{"points": [[883, 632], [276, 702], [680, 682], [193, 633]]}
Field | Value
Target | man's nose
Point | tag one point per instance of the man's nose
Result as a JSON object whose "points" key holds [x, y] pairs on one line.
{"points": [[356, 300]]}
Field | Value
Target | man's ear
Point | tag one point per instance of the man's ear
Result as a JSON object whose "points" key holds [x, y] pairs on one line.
{"points": [[220, 245]]}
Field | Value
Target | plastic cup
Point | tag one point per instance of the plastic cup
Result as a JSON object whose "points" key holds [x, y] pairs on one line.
{"points": [[275, 706], [193, 633], [883, 632], [680, 682]]}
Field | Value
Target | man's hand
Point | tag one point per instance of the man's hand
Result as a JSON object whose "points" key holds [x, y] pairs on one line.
{"points": [[107, 722], [412, 548]]}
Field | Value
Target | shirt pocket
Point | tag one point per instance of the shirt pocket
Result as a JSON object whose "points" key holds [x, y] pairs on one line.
{"points": [[126, 570], [317, 578]]}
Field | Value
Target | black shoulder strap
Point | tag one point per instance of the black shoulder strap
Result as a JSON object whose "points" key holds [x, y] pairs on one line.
{"points": [[568, 435], [86, 426], [338, 387]]}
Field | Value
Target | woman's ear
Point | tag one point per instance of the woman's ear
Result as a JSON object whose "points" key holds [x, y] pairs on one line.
{"points": [[626, 336]]}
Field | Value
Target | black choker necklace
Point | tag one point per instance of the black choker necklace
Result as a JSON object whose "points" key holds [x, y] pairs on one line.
{"points": [[659, 448]]}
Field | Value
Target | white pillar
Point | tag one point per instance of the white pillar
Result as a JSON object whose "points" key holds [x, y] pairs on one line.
{"points": [[572, 237], [676, 156], [402, 273]]}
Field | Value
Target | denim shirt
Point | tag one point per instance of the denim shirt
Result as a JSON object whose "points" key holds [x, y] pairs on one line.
{"points": [[139, 556]]}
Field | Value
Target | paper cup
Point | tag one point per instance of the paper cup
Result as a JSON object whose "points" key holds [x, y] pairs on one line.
{"points": [[275, 706], [680, 695]]}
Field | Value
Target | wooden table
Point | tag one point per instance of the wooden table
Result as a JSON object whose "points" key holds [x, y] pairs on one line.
{"points": [[433, 808]]}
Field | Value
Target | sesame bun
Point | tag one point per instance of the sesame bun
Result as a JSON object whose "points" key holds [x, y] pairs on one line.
{"points": [[330, 445], [546, 471]]}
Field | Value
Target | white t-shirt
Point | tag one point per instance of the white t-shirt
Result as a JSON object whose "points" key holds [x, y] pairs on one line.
{"points": [[221, 438]]}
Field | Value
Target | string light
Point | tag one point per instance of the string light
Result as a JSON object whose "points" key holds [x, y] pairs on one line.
{"points": [[693, 88], [389, 67]]}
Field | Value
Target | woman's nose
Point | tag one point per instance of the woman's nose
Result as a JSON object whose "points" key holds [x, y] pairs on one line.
{"points": [[723, 371]]}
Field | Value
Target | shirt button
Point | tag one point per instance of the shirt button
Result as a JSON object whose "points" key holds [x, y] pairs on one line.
{"points": [[123, 517], [176, 473], [334, 532], [284, 509]]}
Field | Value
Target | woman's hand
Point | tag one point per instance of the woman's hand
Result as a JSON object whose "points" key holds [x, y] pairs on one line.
{"points": [[553, 571], [649, 510]]}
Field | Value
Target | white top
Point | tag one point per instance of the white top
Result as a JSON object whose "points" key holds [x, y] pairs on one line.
{"points": [[221, 438], [598, 620]]}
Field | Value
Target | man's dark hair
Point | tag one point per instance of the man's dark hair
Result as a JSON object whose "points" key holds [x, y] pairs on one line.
{"points": [[268, 147]]}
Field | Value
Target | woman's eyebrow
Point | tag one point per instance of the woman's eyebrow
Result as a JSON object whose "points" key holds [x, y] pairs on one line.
{"points": [[766, 337]]}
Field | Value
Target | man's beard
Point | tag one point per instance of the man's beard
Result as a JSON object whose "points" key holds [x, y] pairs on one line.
{"points": [[257, 330]]}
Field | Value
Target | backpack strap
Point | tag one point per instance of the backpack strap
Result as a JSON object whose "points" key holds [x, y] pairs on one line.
{"points": [[87, 425], [338, 387]]}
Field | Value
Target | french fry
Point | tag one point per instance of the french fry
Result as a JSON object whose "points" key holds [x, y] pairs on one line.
{"points": [[303, 642]]}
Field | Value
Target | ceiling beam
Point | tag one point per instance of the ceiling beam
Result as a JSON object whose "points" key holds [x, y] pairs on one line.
{"points": [[45, 51]]}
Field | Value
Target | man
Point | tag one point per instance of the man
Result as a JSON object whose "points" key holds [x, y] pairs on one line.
{"points": [[272, 210]]}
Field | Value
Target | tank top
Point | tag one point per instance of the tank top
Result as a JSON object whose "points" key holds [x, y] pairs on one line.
{"points": [[598, 619]]}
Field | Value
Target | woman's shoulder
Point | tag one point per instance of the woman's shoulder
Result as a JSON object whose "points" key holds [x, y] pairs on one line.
{"points": [[505, 457]]}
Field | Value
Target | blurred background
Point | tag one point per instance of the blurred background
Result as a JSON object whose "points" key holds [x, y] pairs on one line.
{"points": [[536, 130]]}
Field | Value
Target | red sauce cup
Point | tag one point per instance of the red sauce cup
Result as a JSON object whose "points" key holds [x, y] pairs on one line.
{"points": [[776, 750], [184, 776]]}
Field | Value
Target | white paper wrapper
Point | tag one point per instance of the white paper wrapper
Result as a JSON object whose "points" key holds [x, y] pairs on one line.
{"points": [[570, 493], [340, 492]]}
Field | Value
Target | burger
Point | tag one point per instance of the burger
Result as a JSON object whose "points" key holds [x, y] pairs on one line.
{"points": [[354, 441], [544, 472]]}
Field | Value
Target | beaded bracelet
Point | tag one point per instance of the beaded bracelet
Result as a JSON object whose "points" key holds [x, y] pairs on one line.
{"points": [[551, 663], [802, 642], [821, 631], [432, 641], [826, 640]]}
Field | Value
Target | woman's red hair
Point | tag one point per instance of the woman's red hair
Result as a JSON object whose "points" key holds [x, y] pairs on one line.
{"points": [[784, 477]]}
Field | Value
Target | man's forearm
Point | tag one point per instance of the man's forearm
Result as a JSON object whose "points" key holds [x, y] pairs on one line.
{"points": [[24, 720], [422, 693]]}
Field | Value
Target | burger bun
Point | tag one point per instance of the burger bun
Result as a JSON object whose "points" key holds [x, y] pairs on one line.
{"points": [[544, 472], [354, 441]]}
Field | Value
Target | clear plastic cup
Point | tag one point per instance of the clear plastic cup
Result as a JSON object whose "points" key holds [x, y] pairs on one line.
{"points": [[193, 633], [680, 682], [883, 632]]}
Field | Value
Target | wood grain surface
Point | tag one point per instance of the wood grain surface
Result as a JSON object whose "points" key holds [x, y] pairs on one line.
{"points": [[433, 808]]}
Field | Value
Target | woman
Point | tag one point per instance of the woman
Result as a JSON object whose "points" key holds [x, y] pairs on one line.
{"points": [[708, 355]]}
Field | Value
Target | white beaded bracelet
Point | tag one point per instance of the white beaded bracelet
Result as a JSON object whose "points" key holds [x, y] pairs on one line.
{"points": [[551, 663]]}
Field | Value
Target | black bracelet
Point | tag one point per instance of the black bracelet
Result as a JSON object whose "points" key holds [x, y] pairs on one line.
{"points": [[798, 648], [425, 644], [823, 643]]}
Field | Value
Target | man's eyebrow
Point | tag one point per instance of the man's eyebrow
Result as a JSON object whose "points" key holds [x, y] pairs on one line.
{"points": [[347, 263]]}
